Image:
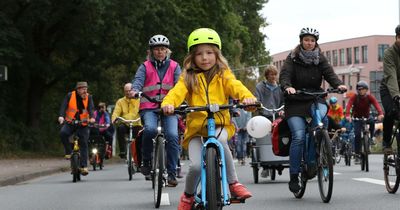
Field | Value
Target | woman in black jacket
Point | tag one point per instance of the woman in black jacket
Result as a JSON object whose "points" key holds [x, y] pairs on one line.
{"points": [[304, 69]]}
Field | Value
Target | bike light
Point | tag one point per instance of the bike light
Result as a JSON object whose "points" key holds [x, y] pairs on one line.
{"points": [[94, 150]]}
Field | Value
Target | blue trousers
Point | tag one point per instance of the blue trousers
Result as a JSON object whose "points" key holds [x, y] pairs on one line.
{"points": [[83, 134], [170, 126]]}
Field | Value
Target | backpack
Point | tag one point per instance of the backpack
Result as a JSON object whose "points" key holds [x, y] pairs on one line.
{"points": [[281, 137]]}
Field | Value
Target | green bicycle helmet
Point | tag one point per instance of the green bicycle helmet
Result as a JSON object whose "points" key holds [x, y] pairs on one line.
{"points": [[203, 36]]}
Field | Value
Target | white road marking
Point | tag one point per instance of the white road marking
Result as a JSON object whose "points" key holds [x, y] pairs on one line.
{"points": [[373, 181], [337, 173], [164, 199]]}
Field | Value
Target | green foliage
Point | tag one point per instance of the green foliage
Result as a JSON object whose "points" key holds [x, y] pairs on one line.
{"points": [[49, 45]]}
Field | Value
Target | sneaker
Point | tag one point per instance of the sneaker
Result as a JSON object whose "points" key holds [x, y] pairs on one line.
{"points": [[145, 168], [185, 202], [172, 182], [239, 191], [294, 186], [67, 157], [84, 171]]}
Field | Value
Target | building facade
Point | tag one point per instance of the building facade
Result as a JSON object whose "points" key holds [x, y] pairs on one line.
{"points": [[353, 60]]}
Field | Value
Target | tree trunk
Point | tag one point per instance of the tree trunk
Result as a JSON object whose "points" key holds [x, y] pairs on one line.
{"points": [[35, 96]]}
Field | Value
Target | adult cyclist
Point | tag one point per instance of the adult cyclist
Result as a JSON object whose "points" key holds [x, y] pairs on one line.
{"points": [[155, 77]]}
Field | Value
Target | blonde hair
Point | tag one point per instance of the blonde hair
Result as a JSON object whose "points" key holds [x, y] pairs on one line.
{"points": [[190, 69]]}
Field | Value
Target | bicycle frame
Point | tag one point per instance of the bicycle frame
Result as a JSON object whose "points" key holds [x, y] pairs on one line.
{"points": [[213, 142]]}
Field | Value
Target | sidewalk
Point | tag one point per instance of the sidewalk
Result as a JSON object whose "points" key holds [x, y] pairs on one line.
{"points": [[13, 171]]}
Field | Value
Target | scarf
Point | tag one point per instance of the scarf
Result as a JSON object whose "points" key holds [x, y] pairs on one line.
{"points": [[309, 57]]}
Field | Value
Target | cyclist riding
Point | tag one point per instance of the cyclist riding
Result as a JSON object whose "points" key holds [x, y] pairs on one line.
{"points": [[155, 77], [128, 108], [390, 89], [77, 105], [304, 68], [335, 110], [106, 128], [359, 104]]}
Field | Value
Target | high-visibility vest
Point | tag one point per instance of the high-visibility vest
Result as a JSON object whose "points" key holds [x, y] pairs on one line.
{"points": [[154, 87], [73, 108]]}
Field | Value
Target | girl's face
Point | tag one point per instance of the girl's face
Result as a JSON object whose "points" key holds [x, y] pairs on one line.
{"points": [[204, 57], [308, 42], [272, 77]]}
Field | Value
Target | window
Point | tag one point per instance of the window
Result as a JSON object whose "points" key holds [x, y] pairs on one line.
{"points": [[348, 53], [341, 60], [328, 56], [335, 57], [364, 54], [356, 55], [381, 50]]}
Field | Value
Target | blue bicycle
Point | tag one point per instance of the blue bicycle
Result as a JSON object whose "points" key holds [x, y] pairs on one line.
{"points": [[212, 189], [317, 152]]}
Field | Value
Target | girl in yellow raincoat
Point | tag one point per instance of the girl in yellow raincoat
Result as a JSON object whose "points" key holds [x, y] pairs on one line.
{"points": [[206, 79]]}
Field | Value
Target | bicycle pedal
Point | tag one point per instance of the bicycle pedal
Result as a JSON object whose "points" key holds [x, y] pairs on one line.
{"points": [[237, 200]]}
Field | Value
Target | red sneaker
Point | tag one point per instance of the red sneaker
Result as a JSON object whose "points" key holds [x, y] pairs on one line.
{"points": [[239, 191], [186, 203]]}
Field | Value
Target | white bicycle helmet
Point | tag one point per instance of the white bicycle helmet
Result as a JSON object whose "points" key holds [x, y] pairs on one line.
{"points": [[309, 31], [158, 40]]}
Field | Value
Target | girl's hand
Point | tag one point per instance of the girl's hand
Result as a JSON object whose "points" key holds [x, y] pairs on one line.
{"points": [[168, 109], [342, 87], [249, 101]]}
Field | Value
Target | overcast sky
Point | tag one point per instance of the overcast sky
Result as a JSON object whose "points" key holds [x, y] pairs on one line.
{"points": [[334, 19]]}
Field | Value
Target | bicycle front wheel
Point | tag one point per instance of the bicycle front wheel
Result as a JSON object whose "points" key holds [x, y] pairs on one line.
{"points": [[392, 179], [365, 153], [158, 171], [75, 167], [129, 160], [213, 185], [325, 167]]}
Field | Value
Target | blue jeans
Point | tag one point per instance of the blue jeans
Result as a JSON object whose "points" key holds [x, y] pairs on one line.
{"points": [[298, 127], [170, 126], [241, 139]]}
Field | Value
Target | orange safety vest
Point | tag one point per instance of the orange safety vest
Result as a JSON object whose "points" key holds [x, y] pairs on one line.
{"points": [[73, 108]]}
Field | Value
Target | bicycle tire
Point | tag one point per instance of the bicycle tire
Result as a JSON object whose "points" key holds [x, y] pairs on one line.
{"points": [[75, 167], [213, 184], [347, 154], [94, 161], [273, 174], [254, 164], [325, 167], [366, 153], [129, 160], [392, 179], [158, 171], [338, 156]]}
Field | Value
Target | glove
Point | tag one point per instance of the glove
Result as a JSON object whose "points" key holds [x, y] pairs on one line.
{"points": [[396, 100]]}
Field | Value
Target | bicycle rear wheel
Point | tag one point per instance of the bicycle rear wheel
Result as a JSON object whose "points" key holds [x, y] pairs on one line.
{"points": [[254, 163], [325, 167], [347, 153], [158, 171], [213, 185], [392, 178]]}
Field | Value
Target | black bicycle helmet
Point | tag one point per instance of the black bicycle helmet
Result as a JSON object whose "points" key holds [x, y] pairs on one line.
{"points": [[309, 31], [362, 84], [397, 30], [158, 40]]}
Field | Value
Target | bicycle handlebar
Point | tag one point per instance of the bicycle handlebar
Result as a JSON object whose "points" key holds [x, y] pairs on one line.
{"points": [[272, 110]]}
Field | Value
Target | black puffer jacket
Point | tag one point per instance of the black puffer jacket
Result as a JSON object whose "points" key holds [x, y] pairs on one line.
{"points": [[295, 73]]}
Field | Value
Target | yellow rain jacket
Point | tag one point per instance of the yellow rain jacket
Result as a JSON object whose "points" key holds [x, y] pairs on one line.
{"points": [[219, 90]]}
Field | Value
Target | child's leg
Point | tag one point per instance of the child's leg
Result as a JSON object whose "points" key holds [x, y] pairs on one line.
{"points": [[230, 167], [193, 176]]}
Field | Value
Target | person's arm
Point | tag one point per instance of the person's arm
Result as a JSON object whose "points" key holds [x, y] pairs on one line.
{"points": [[140, 77], [91, 107], [329, 74], [64, 105], [374, 102], [285, 76], [390, 73], [107, 119], [177, 73], [350, 105], [176, 95], [117, 110]]}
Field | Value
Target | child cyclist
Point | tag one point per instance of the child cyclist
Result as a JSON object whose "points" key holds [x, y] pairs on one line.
{"points": [[206, 79]]}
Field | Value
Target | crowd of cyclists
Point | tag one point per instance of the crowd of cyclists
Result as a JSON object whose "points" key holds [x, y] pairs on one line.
{"points": [[205, 78]]}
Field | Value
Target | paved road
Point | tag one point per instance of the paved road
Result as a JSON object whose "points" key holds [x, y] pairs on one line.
{"points": [[110, 189]]}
